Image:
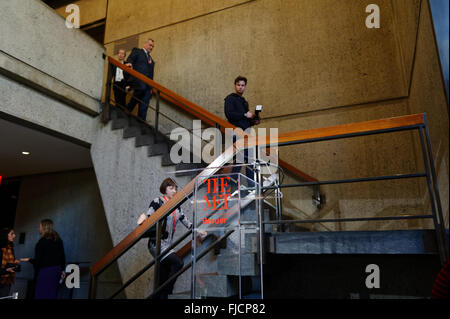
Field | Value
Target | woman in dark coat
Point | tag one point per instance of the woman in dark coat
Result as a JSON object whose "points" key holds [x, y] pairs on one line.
{"points": [[49, 261]]}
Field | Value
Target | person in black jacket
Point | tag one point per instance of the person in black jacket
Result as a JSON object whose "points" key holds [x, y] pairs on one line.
{"points": [[7, 273], [49, 261], [120, 79], [141, 61], [171, 263], [238, 114]]}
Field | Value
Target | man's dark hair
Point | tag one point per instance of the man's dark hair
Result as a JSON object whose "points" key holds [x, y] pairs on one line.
{"points": [[166, 183], [240, 78]]}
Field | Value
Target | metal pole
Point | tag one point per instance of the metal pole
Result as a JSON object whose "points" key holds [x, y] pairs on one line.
{"points": [[194, 243], [157, 116], [435, 186], [157, 257], [93, 287], [261, 224], [106, 110], [442, 252], [239, 233]]}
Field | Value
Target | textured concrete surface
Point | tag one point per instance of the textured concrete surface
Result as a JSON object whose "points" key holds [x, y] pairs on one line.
{"points": [[42, 82], [35, 34], [25, 103], [90, 10]]}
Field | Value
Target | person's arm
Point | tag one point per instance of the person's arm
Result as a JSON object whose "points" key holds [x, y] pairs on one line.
{"points": [[38, 253], [232, 111], [184, 220], [132, 57], [152, 208]]}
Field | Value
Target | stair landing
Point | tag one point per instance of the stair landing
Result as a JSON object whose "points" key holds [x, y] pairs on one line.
{"points": [[354, 242]]}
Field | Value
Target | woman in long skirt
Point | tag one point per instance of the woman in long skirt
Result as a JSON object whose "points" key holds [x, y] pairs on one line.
{"points": [[49, 261]]}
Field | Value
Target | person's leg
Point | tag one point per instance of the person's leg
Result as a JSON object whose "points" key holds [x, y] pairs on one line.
{"points": [[143, 106], [138, 95], [120, 94], [175, 263], [47, 282], [164, 274]]}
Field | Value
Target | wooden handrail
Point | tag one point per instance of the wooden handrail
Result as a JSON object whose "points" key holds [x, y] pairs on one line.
{"points": [[199, 112], [345, 129]]}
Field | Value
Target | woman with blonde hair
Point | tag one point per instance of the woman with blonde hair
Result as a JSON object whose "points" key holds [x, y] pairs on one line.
{"points": [[49, 261]]}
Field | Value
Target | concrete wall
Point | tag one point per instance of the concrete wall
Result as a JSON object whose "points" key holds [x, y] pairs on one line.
{"points": [[72, 200], [51, 47], [311, 64], [90, 10], [50, 75]]}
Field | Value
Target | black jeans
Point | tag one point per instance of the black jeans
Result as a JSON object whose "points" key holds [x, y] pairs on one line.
{"points": [[119, 93], [248, 171], [169, 266]]}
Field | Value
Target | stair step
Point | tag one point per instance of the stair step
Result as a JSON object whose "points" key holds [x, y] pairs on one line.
{"points": [[166, 161], [119, 123], [229, 265], [219, 286], [144, 139], [157, 149], [131, 131], [180, 295], [116, 113], [354, 242]]}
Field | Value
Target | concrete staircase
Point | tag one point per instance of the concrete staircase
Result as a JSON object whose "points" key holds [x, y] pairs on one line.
{"points": [[145, 137]]}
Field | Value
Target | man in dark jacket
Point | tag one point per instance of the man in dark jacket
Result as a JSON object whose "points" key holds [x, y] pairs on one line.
{"points": [[141, 61], [237, 113]]}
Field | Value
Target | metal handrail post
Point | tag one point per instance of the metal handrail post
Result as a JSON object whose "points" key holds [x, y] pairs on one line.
{"points": [[260, 214], [157, 115], [435, 186], [157, 256], [106, 111], [93, 287], [439, 235]]}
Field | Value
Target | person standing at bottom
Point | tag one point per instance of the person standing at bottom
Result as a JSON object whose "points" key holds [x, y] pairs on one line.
{"points": [[170, 262], [7, 273], [49, 261]]}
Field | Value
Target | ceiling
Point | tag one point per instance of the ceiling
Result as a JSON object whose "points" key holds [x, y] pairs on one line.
{"points": [[47, 153]]}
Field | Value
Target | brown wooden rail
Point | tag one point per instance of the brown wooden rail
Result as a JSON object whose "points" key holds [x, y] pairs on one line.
{"points": [[199, 112], [345, 130]]}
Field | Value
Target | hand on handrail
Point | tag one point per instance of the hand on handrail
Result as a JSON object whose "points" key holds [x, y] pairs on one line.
{"points": [[141, 218]]}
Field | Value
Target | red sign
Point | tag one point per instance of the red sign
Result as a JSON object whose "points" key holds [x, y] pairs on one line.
{"points": [[0, 179], [215, 187]]}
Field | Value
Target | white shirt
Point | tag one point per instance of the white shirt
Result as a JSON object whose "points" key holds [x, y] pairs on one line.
{"points": [[119, 75]]}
